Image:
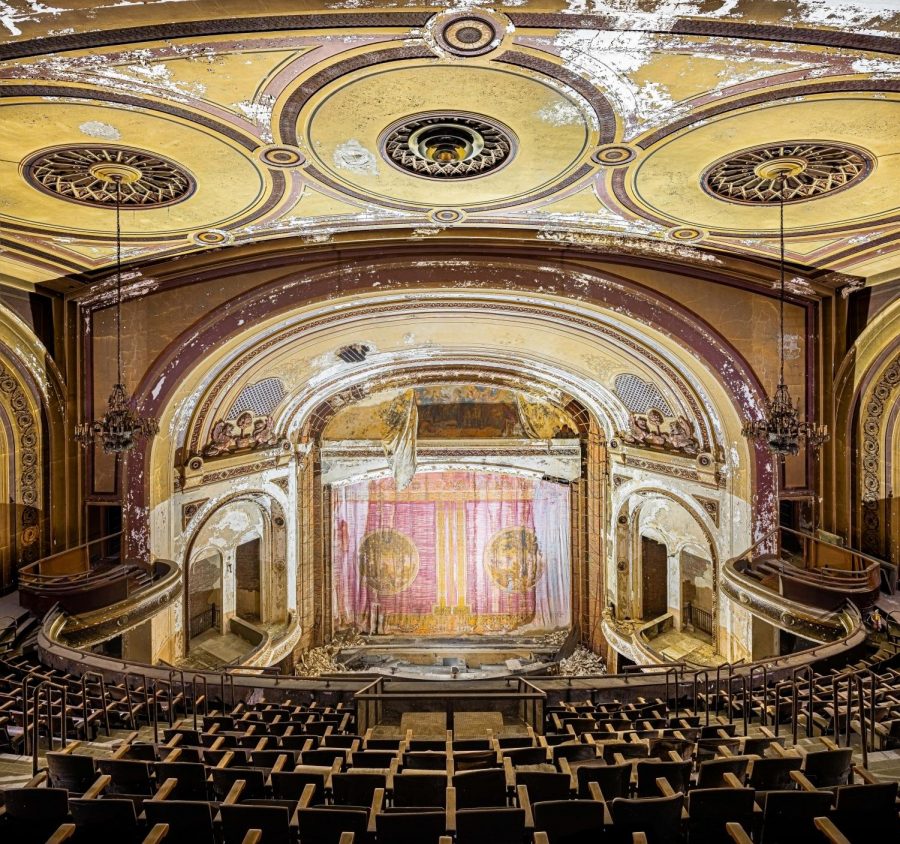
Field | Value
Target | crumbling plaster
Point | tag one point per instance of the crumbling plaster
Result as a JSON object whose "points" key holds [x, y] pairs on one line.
{"points": [[667, 510], [229, 514]]}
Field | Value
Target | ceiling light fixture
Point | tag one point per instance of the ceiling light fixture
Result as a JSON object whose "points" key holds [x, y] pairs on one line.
{"points": [[118, 428], [781, 429]]}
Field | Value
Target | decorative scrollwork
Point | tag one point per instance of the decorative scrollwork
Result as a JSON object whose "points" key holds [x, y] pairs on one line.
{"points": [[646, 430], [245, 433], [28, 460], [874, 409]]}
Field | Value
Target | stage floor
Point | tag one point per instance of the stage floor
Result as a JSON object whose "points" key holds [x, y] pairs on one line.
{"points": [[459, 657]]}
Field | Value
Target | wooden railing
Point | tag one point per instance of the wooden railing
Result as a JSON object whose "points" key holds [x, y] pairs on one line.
{"points": [[811, 571], [85, 578], [73, 565]]}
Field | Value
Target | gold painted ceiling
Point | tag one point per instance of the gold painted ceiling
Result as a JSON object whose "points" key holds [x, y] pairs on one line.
{"points": [[647, 126]]}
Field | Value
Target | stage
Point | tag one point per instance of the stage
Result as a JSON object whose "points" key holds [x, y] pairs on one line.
{"points": [[459, 658], [474, 554]]}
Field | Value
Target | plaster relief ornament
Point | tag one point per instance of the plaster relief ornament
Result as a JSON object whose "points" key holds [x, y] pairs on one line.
{"points": [[646, 431], [245, 433]]}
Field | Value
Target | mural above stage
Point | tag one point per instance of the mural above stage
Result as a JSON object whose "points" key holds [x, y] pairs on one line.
{"points": [[455, 552], [454, 411]]}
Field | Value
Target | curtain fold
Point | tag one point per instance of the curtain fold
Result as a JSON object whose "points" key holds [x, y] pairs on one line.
{"points": [[454, 552], [399, 443]]}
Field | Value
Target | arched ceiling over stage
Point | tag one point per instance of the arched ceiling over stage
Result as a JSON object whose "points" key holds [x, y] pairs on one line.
{"points": [[623, 124]]}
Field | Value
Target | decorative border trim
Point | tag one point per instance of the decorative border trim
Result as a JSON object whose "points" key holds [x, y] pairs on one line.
{"points": [[874, 408], [27, 540], [606, 115], [552, 20], [290, 113]]}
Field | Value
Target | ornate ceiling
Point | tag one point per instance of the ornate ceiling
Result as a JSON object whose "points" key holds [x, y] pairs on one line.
{"points": [[654, 126]]}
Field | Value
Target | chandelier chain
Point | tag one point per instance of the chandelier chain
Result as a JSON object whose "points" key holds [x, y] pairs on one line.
{"points": [[119, 278], [781, 264], [116, 431], [781, 429]]}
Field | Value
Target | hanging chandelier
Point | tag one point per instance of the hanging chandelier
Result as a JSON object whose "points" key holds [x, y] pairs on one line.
{"points": [[781, 429], [117, 430]]}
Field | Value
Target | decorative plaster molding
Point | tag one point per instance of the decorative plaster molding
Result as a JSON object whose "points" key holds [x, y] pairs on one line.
{"points": [[27, 458], [879, 400], [711, 505], [189, 510]]}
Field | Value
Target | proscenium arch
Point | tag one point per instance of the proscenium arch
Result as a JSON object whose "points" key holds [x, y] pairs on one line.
{"points": [[183, 370], [514, 374], [626, 337], [534, 313]]}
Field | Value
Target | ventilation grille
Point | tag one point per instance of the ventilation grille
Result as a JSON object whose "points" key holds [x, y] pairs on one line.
{"points": [[261, 398], [353, 354], [639, 395]]}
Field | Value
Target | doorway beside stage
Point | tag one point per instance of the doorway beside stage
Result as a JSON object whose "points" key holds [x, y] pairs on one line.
{"points": [[654, 578]]}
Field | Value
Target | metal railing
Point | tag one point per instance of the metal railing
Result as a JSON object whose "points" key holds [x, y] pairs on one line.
{"points": [[203, 621], [697, 618], [371, 700]]}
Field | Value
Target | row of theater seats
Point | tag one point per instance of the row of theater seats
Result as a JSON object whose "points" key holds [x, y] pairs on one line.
{"points": [[688, 743], [277, 773], [88, 704]]}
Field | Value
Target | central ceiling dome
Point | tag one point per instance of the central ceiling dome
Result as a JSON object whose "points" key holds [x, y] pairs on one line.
{"points": [[419, 123]]}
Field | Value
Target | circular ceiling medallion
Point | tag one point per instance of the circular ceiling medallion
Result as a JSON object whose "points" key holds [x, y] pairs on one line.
{"points": [[212, 237], [89, 175], [808, 169], [685, 234], [612, 155], [279, 156], [448, 145], [467, 33], [447, 215], [469, 36]]}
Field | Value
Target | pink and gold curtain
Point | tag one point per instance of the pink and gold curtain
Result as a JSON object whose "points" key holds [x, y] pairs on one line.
{"points": [[452, 553]]}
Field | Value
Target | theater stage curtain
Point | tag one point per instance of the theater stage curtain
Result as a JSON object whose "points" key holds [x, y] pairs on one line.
{"points": [[463, 552]]}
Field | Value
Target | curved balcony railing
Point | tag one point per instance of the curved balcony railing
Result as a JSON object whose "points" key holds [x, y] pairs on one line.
{"points": [[802, 584], [89, 628], [84, 578], [99, 593], [235, 683]]}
